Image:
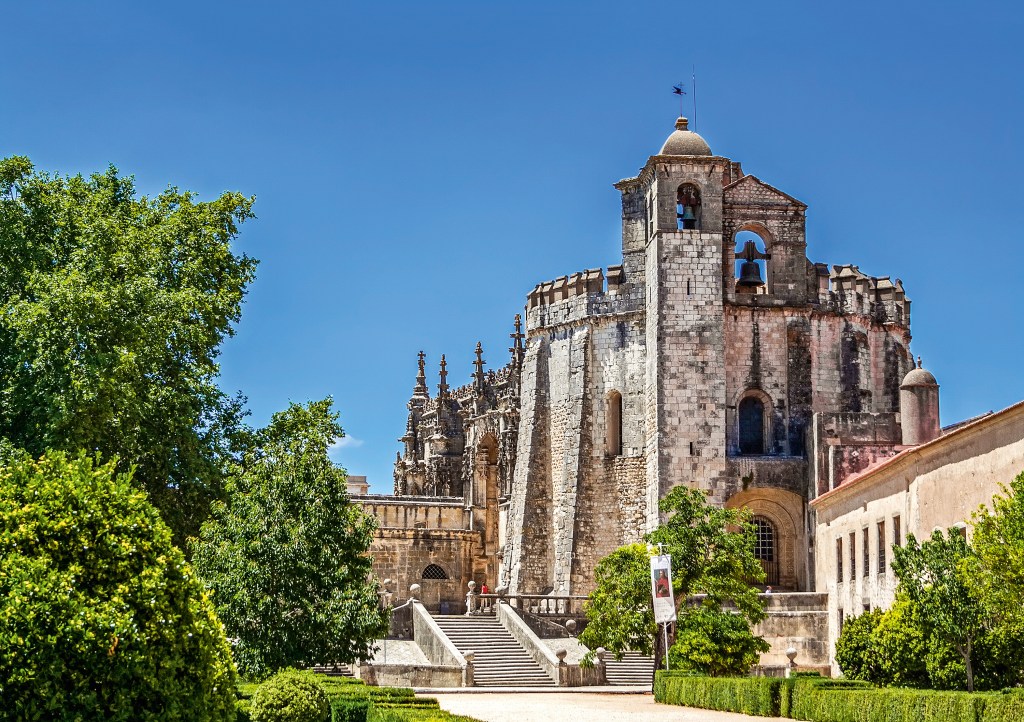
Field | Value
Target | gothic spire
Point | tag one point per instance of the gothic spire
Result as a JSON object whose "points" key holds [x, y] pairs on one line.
{"points": [[478, 373], [420, 389], [442, 388], [517, 344]]}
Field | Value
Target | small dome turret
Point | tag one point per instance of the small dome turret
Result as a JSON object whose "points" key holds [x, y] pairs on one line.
{"points": [[919, 406], [684, 141]]}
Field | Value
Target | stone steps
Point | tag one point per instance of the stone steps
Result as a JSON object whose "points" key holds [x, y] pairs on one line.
{"points": [[634, 669], [499, 661], [333, 670]]}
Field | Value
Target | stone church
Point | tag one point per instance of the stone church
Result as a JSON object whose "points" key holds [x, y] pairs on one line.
{"points": [[716, 354]]}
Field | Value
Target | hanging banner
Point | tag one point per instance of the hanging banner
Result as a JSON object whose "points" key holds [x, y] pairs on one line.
{"points": [[661, 589]]}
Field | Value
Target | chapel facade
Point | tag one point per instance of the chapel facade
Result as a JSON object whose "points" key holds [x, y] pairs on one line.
{"points": [[715, 354]]}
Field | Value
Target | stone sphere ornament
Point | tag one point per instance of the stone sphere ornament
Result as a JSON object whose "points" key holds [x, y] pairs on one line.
{"points": [[414, 591]]}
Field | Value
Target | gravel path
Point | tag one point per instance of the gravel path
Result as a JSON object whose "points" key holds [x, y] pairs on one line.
{"points": [[575, 706]]}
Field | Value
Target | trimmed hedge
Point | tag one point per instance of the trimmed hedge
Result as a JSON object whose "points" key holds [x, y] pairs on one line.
{"points": [[749, 695], [884, 704], [827, 700], [353, 701], [1007, 706]]}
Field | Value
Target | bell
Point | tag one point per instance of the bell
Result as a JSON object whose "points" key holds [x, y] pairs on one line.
{"points": [[750, 275], [687, 220]]}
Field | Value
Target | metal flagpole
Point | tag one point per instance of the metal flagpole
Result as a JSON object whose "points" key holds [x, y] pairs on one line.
{"points": [[664, 628], [694, 89]]}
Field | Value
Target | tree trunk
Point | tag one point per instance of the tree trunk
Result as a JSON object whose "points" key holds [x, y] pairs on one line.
{"points": [[966, 653]]}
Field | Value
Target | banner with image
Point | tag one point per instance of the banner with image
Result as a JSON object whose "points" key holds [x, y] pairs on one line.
{"points": [[661, 589]]}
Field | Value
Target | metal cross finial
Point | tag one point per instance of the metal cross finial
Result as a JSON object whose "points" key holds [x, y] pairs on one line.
{"points": [[421, 375]]}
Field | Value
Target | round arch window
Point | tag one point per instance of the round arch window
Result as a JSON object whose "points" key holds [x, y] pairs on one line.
{"points": [[433, 571]]}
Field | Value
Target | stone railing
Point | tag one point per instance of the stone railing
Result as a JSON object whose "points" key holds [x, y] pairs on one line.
{"points": [[437, 647], [552, 661], [543, 605]]}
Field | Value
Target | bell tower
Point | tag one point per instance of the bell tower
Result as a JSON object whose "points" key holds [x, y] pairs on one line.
{"points": [[682, 264]]}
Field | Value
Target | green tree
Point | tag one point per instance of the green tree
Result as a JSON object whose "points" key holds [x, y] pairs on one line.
{"points": [[998, 574], [101, 618], [712, 552], [619, 612], [285, 557], [112, 311], [933, 576]]}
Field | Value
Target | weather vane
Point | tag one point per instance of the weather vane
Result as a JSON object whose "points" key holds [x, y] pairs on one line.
{"points": [[680, 90]]}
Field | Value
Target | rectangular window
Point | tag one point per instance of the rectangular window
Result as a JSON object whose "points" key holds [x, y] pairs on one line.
{"points": [[866, 559], [853, 555], [881, 547], [896, 541], [841, 620], [839, 562]]}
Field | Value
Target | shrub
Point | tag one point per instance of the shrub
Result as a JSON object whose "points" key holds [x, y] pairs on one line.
{"points": [[901, 646], [100, 616], [716, 643], [855, 648], [290, 696]]}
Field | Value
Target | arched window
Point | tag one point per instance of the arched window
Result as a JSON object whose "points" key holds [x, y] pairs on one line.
{"points": [[751, 413], [433, 571], [613, 424], [688, 207], [765, 539]]}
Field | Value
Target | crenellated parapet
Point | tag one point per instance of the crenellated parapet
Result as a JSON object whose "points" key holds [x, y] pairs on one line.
{"points": [[582, 295], [847, 290]]}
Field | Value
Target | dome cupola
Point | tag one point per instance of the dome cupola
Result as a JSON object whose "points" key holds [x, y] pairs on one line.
{"points": [[684, 141]]}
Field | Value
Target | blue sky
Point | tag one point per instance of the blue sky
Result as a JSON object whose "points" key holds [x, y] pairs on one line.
{"points": [[419, 167]]}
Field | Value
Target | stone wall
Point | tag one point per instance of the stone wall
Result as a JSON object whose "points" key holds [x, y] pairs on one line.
{"points": [[402, 555]]}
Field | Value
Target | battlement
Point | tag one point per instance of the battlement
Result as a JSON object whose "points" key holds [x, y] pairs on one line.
{"points": [[847, 290], [582, 295], [583, 283]]}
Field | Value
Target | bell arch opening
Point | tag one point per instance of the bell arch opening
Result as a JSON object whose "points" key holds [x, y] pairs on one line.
{"points": [[688, 207], [751, 266]]}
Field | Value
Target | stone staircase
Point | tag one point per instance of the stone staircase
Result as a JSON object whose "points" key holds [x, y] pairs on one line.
{"points": [[499, 659], [333, 670], [634, 669]]}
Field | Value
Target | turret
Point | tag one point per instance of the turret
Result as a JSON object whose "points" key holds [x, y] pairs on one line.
{"points": [[919, 407]]}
